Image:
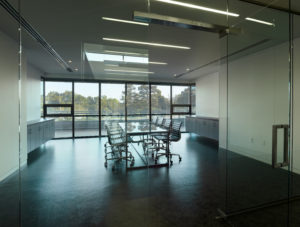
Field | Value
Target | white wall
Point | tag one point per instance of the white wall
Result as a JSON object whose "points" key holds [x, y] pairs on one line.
{"points": [[258, 92], [33, 87], [207, 95], [9, 114]]}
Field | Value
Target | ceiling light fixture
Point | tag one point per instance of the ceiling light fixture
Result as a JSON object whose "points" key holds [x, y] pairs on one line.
{"points": [[146, 43], [76, 69], [121, 52], [125, 21], [127, 71], [157, 63], [189, 5], [260, 21], [70, 61], [120, 74]]}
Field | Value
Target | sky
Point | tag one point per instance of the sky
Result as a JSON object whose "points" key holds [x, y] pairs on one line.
{"points": [[110, 90]]}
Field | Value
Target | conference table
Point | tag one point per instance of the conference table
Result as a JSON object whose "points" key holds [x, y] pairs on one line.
{"points": [[136, 132]]}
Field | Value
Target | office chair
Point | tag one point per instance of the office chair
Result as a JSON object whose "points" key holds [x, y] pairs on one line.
{"points": [[118, 145], [174, 136]]}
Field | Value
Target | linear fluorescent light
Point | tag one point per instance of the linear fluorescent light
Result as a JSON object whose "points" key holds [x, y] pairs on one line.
{"points": [[126, 71], [121, 52], [125, 21], [157, 63], [146, 43], [132, 59], [259, 21], [120, 74], [189, 5]]}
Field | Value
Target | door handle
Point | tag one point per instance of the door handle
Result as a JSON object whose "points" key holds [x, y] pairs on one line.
{"points": [[285, 162]]}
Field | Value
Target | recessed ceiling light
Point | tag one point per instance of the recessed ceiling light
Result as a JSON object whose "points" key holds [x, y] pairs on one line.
{"points": [[260, 21], [125, 21], [187, 69], [146, 43], [127, 71], [70, 61], [121, 52], [189, 5], [175, 75], [157, 63], [76, 69]]}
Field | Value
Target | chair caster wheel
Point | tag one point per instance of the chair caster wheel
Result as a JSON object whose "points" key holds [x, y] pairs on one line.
{"points": [[152, 155], [105, 164], [180, 159], [155, 162], [171, 162]]}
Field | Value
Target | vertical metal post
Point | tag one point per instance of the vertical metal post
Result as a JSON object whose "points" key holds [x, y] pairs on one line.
{"points": [[73, 118], [126, 125], [99, 109]]}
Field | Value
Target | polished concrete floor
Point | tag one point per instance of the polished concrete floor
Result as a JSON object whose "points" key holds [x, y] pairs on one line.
{"points": [[65, 183]]}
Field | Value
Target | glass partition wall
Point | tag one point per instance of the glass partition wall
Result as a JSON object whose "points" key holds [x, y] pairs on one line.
{"points": [[258, 113], [12, 116]]}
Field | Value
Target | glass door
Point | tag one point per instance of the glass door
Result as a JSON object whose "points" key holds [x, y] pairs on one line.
{"points": [[258, 113]]}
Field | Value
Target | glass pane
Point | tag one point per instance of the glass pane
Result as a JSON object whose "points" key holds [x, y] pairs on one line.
{"points": [[181, 109], [13, 151], [63, 127], [137, 99], [58, 92], [258, 99], [181, 94], [86, 126], [86, 98], [59, 110], [160, 99], [112, 99]]}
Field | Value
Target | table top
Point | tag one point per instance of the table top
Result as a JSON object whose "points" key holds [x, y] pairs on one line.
{"points": [[139, 128]]}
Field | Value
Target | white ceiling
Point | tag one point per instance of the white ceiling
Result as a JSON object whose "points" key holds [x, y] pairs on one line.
{"points": [[68, 25]]}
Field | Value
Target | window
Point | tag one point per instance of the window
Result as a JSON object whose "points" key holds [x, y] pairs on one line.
{"points": [[58, 92], [86, 109], [58, 105], [181, 94], [160, 99], [86, 113], [112, 104], [138, 102]]}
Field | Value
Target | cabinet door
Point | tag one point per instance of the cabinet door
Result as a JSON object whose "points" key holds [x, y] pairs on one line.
{"points": [[34, 135], [216, 130], [52, 129], [28, 138]]}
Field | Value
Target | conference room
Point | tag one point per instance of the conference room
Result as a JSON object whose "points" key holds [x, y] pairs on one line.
{"points": [[149, 113]]}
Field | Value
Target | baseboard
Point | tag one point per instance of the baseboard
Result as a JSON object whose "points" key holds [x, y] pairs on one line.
{"points": [[12, 171]]}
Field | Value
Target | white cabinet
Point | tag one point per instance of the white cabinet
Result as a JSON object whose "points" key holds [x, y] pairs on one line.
{"points": [[203, 126], [39, 132]]}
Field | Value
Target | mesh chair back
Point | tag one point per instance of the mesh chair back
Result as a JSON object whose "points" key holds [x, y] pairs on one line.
{"points": [[159, 121], [154, 120], [167, 123], [175, 134]]}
